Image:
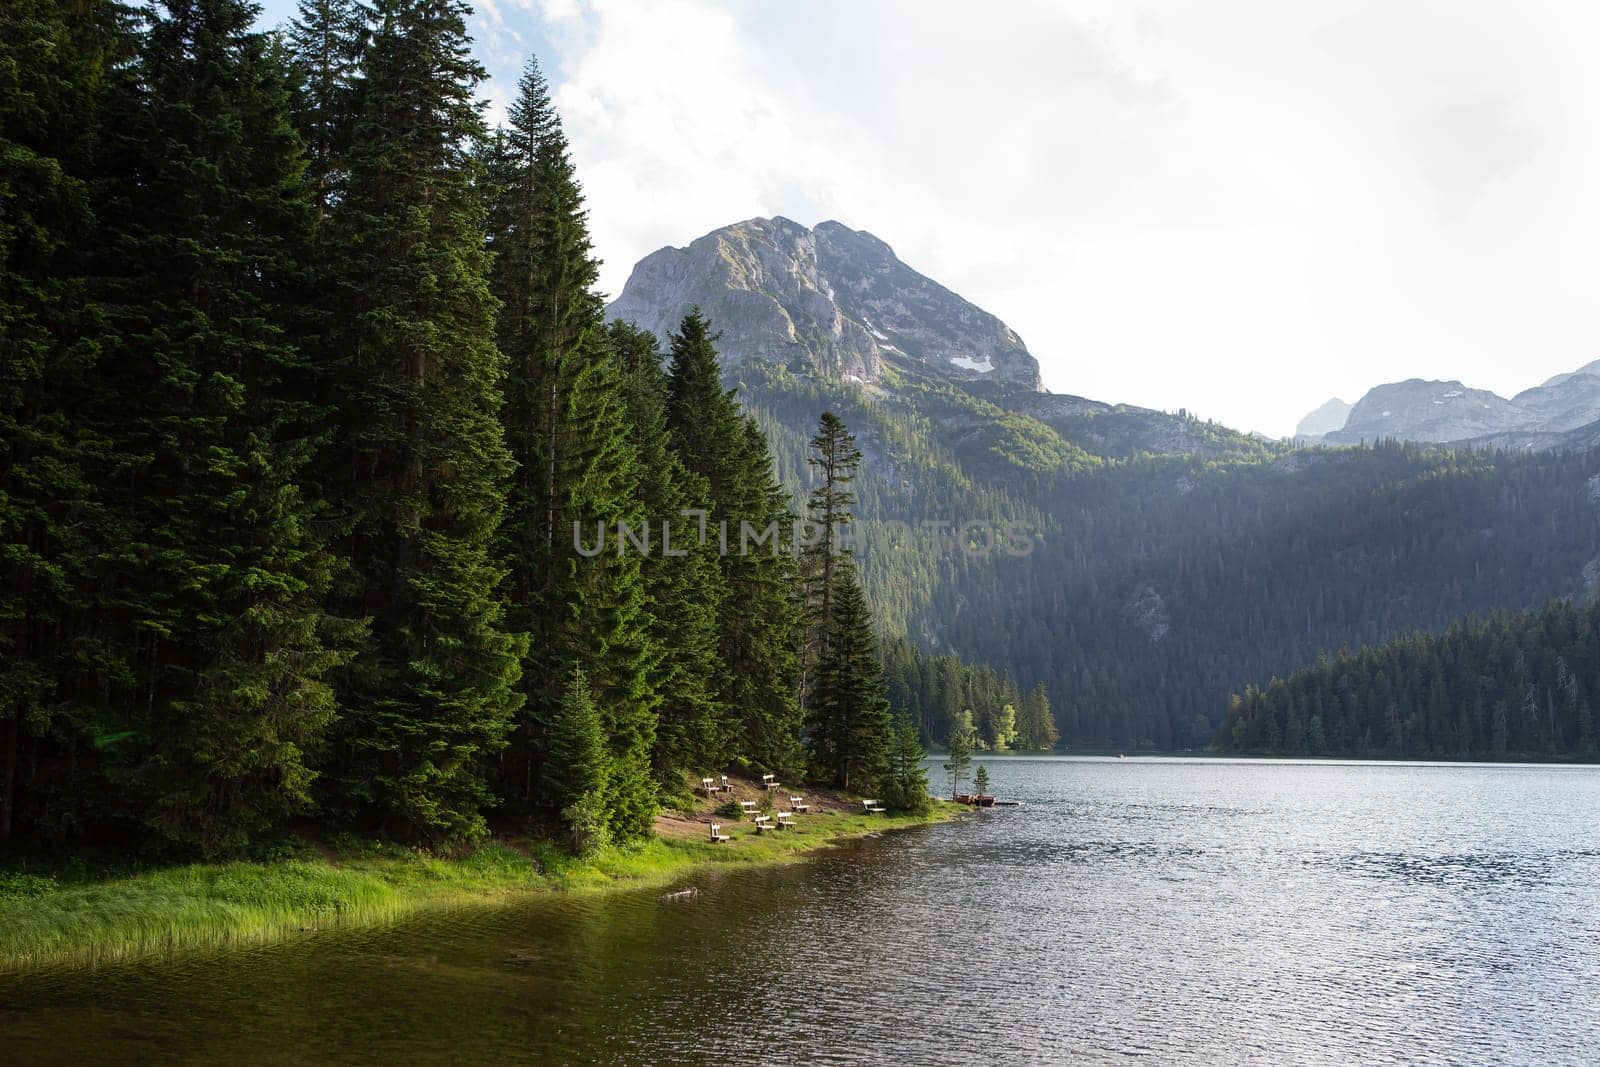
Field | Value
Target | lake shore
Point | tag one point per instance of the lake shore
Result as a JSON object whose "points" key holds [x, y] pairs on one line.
{"points": [[47, 923]]}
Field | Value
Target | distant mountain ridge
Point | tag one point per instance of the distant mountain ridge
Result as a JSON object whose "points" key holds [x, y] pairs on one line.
{"points": [[1562, 412]]}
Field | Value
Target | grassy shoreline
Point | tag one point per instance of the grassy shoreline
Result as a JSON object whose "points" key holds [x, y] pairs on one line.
{"points": [[156, 913]]}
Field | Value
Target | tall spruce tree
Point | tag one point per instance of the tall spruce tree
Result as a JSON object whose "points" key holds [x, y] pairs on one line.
{"points": [[847, 706], [683, 578], [218, 587], [960, 758], [834, 460], [420, 453], [54, 61], [325, 42], [760, 616], [568, 426]]}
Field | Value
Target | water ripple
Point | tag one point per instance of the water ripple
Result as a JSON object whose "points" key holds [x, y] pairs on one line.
{"points": [[1200, 912]]}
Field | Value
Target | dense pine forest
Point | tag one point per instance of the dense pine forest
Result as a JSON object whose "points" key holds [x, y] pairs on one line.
{"points": [[1505, 686], [308, 411]]}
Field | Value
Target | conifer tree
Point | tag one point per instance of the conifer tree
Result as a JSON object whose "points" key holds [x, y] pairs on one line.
{"points": [[847, 707], [419, 452], [685, 585], [54, 60], [764, 624], [706, 426], [905, 785], [325, 42], [760, 616], [834, 460], [567, 424], [960, 758], [219, 585], [1037, 728], [848, 724], [575, 775], [324, 45]]}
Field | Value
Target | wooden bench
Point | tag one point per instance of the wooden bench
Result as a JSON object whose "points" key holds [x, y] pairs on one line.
{"points": [[763, 823], [727, 787], [749, 806], [785, 820], [873, 807], [769, 781], [709, 785], [717, 835], [799, 804]]}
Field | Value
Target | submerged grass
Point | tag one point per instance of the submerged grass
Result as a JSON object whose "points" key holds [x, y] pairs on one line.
{"points": [[44, 923]]}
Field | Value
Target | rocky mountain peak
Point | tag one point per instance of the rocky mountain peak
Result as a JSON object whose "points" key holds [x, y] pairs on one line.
{"points": [[1420, 410], [1326, 419], [828, 300]]}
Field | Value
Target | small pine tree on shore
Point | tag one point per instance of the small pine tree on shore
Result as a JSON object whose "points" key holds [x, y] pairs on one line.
{"points": [[905, 785], [960, 759], [576, 770]]}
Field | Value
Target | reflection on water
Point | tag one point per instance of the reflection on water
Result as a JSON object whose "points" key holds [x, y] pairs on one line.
{"points": [[1217, 912]]}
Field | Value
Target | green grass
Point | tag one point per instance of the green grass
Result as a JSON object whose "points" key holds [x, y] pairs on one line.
{"points": [[46, 923]]}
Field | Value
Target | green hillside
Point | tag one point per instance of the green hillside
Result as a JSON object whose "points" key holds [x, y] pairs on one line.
{"points": [[1181, 560]]}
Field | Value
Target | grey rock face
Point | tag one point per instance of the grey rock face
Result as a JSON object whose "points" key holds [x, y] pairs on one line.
{"points": [[908, 313], [759, 285], [1418, 410], [1328, 418], [831, 300], [1551, 415], [1565, 403]]}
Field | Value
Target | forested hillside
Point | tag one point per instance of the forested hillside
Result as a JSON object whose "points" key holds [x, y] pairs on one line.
{"points": [[308, 416], [1504, 686], [1159, 584]]}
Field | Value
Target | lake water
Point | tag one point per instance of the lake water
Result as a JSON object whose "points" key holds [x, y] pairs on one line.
{"points": [[1199, 911]]}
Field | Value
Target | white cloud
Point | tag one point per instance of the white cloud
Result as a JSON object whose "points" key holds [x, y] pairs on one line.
{"points": [[1241, 207]]}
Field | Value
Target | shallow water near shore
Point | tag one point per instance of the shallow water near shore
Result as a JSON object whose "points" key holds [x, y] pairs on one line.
{"points": [[1214, 911]]}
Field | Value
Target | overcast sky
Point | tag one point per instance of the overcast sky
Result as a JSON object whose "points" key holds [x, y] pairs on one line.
{"points": [[1242, 208]]}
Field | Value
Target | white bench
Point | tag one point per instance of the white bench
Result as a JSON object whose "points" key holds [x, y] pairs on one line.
{"points": [[799, 804], [709, 785], [717, 835], [873, 807], [769, 781], [785, 820], [763, 823], [749, 806], [727, 787]]}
